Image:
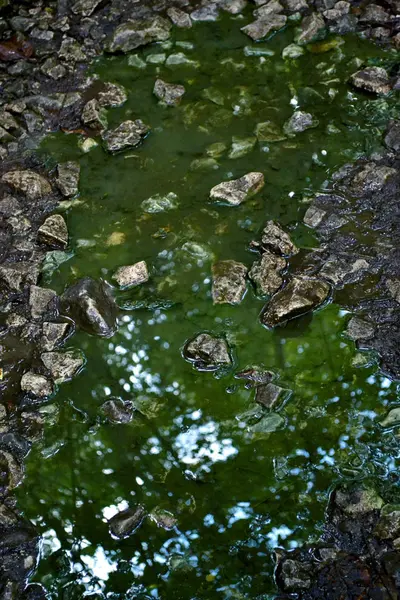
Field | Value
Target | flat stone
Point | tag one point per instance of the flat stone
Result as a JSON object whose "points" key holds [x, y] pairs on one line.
{"points": [[126, 522], [236, 191], [266, 273], [375, 15], [314, 216], [207, 352], [312, 28], [374, 80], [29, 183], [135, 33], [241, 146], [39, 300], [262, 27], [168, 93], [85, 7], [299, 122], [131, 275], [275, 239], [179, 17], [37, 385], [228, 282], [68, 178], [54, 334], [127, 135], [179, 58], [300, 296], [358, 329], [273, 6], [392, 136], [112, 95], [271, 396], [54, 232], [163, 518], [340, 9], [94, 115], [62, 365], [117, 410]]}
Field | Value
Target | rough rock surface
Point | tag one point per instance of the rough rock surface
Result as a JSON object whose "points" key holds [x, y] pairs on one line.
{"points": [[168, 93], [62, 366], [207, 352], [127, 135], [263, 26], [126, 522], [117, 410], [277, 240], [28, 182], [228, 282], [372, 79], [267, 273], [131, 275], [54, 232], [238, 190], [37, 385], [299, 122], [68, 178], [132, 34]]}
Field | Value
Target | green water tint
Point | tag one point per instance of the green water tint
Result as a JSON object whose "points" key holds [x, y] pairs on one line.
{"points": [[239, 480]]}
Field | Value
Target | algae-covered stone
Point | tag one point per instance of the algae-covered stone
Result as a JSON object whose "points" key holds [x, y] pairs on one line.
{"points": [[358, 501], [204, 164], [388, 525], [54, 232], [392, 419], [299, 122], [236, 191], [266, 273], [268, 131], [207, 12], [126, 522], [163, 518], [207, 352], [63, 365], [28, 182], [37, 385], [127, 135], [300, 296], [275, 239], [168, 93], [135, 33], [179, 17], [94, 115], [262, 27], [180, 59], [228, 282], [292, 51], [271, 396], [54, 334], [131, 275], [372, 79], [68, 178], [241, 146], [312, 28], [160, 203]]}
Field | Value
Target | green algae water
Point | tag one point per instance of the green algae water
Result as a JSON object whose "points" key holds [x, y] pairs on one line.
{"points": [[236, 480]]}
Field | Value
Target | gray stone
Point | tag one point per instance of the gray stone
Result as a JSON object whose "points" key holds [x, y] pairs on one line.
{"points": [[294, 6], [12, 471], [94, 115], [54, 232], [126, 522], [132, 275], [392, 137], [63, 366], [312, 28], [295, 575], [208, 12], [371, 178], [68, 178], [266, 273], [39, 300], [37, 385], [28, 182], [359, 501], [9, 206], [300, 296], [241, 146], [85, 7], [393, 285], [388, 525], [117, 410], [340, 9], [271, 396], [179, 17], [159, 203], [163, 518], [299, 122], [112, 95], [264, 26], [207, 352], [273, 6], [375, 15], [133, 34], [54, 334], [14, 275], [53, 69], [228, 282], [275, 239], [179, 58], [358, 329], [344, 269], [314, 216], [372, 79], [90, 304], [236, 191], [168, 93], [233, 6], [345, 24], [127, 135], [71, 51]]}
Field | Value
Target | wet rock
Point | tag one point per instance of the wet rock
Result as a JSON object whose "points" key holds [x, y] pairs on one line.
{"points": [[131, 275], [292, 51], [159, 203], [371, 178], [112, 95], [392, 419], [62, 365], [179, 58], [39, 300], [233, 6], [85, 7], [265, 10], [228, 282], [133, 34], [275, 239], [295, 575], [271, 396], [117, 410], [37, 385], [54, 232], [375, 15], [207, 352], [241, 146], [254, 376], [126, 522], [262, 27], [53, 69], [90, 304], [358, 329], [372, 79], [163, 518], [168, 93], [11, 471], [94, 115], [68, 178], [300, 296], [269, 132], [312, 29], [208, 12], [393, 286], [236, 191], [392, 137], [357, 501], [71, 51], [340, 9], [28, 182], [299, 122], [266, 273], [127, 135], [388, 525], [344, 269], [54, 334], [294, 6], [9, 206], [17, 274], [314, 216], [179, 17]]}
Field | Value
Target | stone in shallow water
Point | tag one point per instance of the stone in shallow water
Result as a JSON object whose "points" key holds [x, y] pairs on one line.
{"points": [[241, 146], [262, 27], [392, 419], [54, 232], [19, 273], [358, 329], [228, 282], [179, 17], [159, 203], [85, 7], [37, 385], [63, 365], [135, 33], [126, 522], [299, 122], [117, 410], [11, 472], [39, 300], [168, 93], [372, 79], [112, 95], [163, 518], [209, 12], [292, 51], [94, 115], [181, 59], [68, 178], [28, 182], [371, 178], [127, 135], [236, 191], [268, 131], [314, 216], [131, 275], [312, 28], [54, 334], [357, 502], [271, 396], [266, 273], [207, 352], [300, 296], [275, 239]]}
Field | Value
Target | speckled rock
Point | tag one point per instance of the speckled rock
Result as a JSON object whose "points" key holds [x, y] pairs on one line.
{"points": [[207, 352], [236, 191], [117, 410], [168, 93], [131, 275], [179, 17], [63, 365], [39, 300], [358, 329], [275, 239], [372, 79], [228, 282], [94, 115], [312, 28], [37, 385], [127, 135], [68, 178], [266, 273], [112, 95], [299, 122], [262, 27], [54, 232], [54, 334], [133, 34], [28, 182]]}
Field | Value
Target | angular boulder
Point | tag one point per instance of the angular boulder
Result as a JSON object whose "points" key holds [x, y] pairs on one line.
{"points": [[236, 191], [37, 385], [68, 178], [62, 365], [54, 232], [112, 95], [131, 275], [392, 136], [207, 352], [374, 80], [94, 115], [299, 122], [228, 282], [54, 334], [39, 300], [28, 182], [312, 28], [168, 93], [135, 33], [179, 17], [275, 239], [117, 410], [127, 135], [266, 273], [263, 26]]}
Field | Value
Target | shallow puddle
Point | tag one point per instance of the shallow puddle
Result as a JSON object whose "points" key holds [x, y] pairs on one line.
{"points": [[236, 480]]}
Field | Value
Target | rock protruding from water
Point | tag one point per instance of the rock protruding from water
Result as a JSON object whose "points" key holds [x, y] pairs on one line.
{"points": [[300, 121], [179, 17], [112, 95], [133, 34], [207, 352], [127, 135], [228, 282], [126, 522], [54, 232], [28, 182], [91, 305], [117, 410], [267, 273], [169, 93], [131, 275], [39, 300], [54, 334], [372, 79], [300, 296], [275, 239], [68, 178], [37, 385], [236, 191], [263, 26], [63, 366]]}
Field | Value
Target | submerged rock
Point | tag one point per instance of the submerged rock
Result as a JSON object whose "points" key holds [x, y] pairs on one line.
{"points": [[299, 122], [68, 178], [179, 17], [300, 296], [163, 518], [159, 203], [54, 232], [131, 275], [117, 410], [266, 273], [112, 95], [275, 239], [126, 522], [28, 182], [228, 282], [269, 132], [208, 12], [271, 396], [392, 419], [135, 33], [236, 191], [241, 146], [37, 385], [372, 79], [358, 501], [262, 27], [63, 365], [371, 178], [207, 352], [127, 135], [91, 305], [168, 93], [11, 475]]}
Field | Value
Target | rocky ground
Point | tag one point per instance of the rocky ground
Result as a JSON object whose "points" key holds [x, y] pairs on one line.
{"points": [[45, 49]]}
